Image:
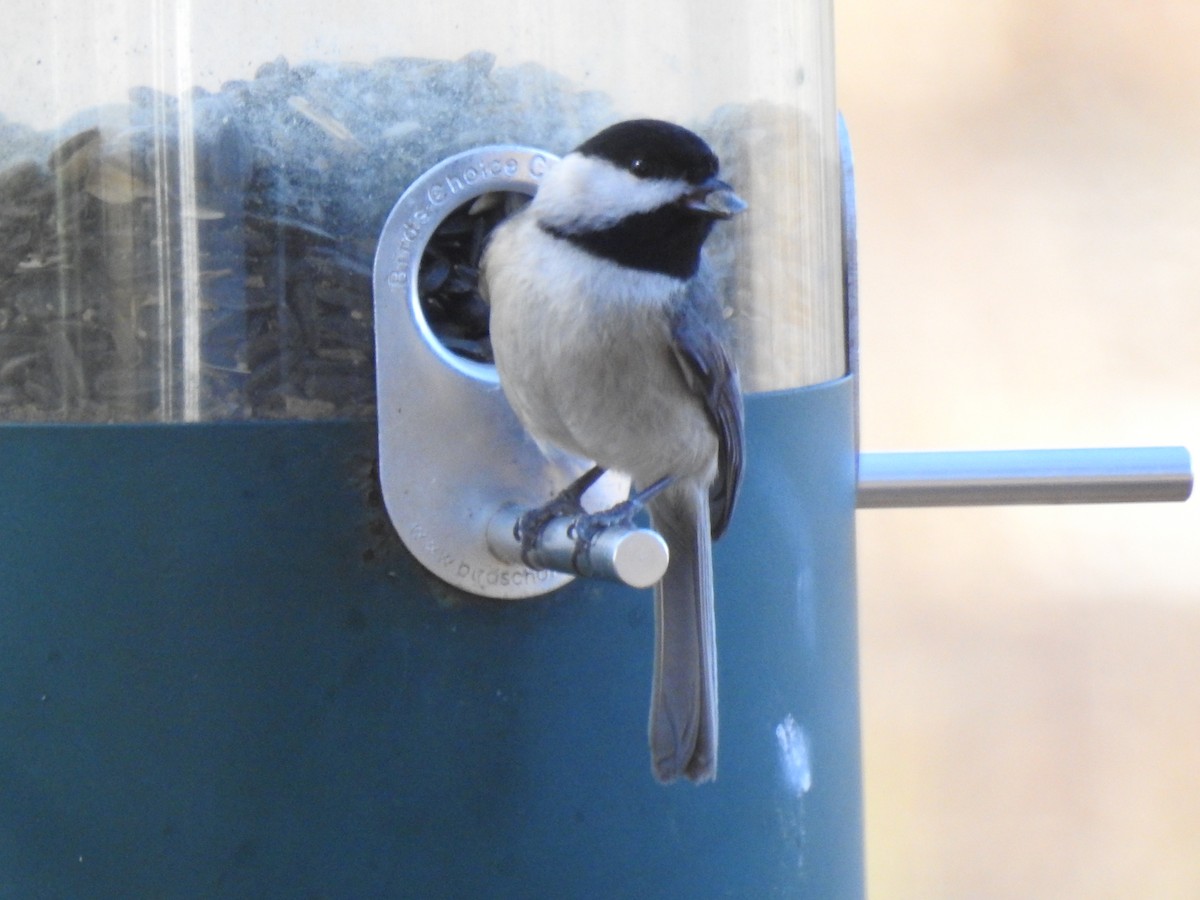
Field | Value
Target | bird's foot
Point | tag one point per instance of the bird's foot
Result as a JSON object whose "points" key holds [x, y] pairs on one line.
{"points": [[588, 525], [568, 503]]}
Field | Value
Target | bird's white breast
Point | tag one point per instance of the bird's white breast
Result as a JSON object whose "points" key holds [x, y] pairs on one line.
{"points": [[574, 337]]}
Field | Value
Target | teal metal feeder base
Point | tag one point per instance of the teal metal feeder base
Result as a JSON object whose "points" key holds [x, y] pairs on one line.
{"points": [[220, 676]]}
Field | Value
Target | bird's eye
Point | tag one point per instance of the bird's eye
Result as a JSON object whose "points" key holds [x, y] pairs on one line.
{"points": [[636, 165]]}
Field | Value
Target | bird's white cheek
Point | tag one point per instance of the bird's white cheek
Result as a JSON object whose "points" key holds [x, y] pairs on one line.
{"points": [[582, 193]]}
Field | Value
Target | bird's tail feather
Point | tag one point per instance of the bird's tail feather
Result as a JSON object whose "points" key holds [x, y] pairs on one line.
{"points": [[683, 704]]}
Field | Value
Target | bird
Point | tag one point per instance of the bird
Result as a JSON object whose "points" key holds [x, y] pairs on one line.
{"points": [[611, 344]]}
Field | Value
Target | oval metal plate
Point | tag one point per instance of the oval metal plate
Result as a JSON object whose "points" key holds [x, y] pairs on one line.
{"points": [[451, 450]]}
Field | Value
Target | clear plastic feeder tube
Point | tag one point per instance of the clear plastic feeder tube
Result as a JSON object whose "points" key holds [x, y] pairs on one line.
{"points": [[191, 193]]}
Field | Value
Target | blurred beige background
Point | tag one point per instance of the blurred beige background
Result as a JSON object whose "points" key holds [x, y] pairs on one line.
{"points": [[1029, 205]]}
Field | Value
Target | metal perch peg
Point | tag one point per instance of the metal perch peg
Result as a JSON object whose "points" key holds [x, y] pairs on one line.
{"points": [[975, 478], [628, 554]]}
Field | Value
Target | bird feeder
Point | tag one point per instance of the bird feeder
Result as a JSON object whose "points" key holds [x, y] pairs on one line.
{"points": [[256, 638]]}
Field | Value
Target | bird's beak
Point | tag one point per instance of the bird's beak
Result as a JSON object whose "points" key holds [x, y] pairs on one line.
{"points": [[714, 199]]}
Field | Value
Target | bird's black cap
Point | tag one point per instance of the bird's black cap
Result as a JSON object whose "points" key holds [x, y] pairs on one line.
{"points": [[650, 148]]}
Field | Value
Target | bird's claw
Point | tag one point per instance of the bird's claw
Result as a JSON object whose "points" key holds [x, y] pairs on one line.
{"points": [[587, 526], [568, 504], [531, 524]]}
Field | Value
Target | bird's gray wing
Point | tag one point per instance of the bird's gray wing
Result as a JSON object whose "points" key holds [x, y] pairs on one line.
{"points": [[704, 355]]}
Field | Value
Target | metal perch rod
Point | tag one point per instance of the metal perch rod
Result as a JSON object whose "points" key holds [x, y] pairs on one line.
{"points": [[635, 556], [981, 478]]}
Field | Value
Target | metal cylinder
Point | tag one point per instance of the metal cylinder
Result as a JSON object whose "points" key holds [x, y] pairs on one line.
{"points": [[979, 478], [634, 556]]}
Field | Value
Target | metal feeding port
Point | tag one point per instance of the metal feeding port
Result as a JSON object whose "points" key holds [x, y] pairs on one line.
{"points": [[454, 461]]}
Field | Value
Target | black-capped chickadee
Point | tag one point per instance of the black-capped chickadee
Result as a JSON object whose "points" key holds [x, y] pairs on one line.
{"points": [[611, 345]]}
